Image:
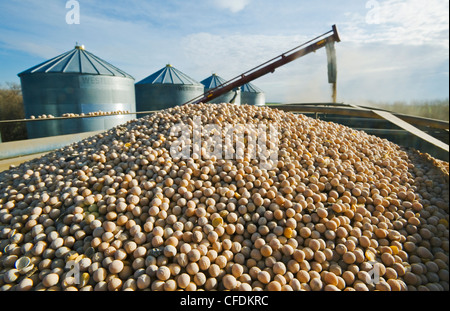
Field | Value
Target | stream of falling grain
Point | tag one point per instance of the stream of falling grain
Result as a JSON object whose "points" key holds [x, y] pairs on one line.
{"points": [[334, 92]]}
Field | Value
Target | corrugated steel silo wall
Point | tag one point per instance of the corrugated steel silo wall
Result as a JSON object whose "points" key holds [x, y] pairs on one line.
{"points": [[161, 96], [54, 93], [252, 98], [226, 98]]}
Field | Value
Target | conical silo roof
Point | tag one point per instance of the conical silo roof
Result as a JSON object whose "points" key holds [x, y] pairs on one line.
{"points": [[168, 75], [79, 61], [250, 88], [213, 81]]}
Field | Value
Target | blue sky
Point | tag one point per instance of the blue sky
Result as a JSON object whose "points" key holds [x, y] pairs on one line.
{"points": [[390, 50]]}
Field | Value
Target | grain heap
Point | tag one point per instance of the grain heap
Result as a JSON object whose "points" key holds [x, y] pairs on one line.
{"points": [[95, 113], [43, 116], [339, 207], [70, 114]]}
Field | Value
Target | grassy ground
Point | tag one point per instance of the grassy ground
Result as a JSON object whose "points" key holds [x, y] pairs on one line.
{"points": [[434, 109]]}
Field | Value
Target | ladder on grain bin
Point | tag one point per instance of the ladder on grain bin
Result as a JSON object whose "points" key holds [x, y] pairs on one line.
{"points": [[325, 40]]}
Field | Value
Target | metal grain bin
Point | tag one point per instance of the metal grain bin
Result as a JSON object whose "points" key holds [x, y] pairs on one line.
{"points": [[76, 82], [252, 95], [214, 81], [168, 87]]}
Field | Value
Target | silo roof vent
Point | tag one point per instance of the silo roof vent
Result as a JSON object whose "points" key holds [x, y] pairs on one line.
{"points": [[79, 47]]}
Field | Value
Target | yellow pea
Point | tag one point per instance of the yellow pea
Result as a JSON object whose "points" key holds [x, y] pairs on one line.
{"points": [[395, 249], [217, 221], [443, 222], [288, 232], [369, 255]]}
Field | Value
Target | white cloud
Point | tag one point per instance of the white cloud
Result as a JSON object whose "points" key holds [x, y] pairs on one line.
{"points": [[386, 61], [231, 55], [232, 5], [366, 70], [412, 22], [235, 53]]}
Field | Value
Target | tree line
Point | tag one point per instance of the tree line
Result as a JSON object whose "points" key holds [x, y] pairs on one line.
{"points": [[11, 108]]}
